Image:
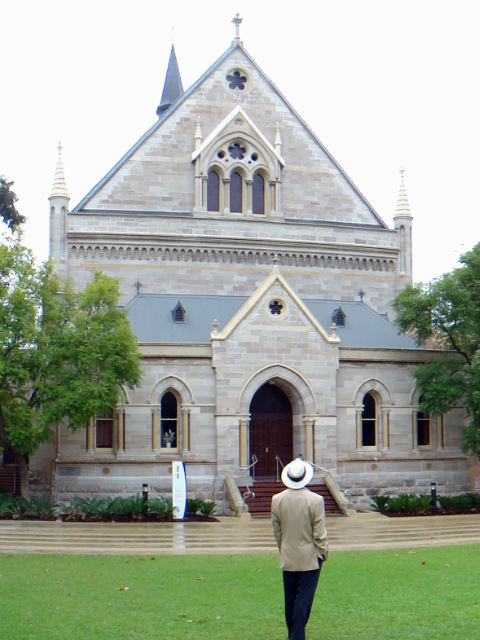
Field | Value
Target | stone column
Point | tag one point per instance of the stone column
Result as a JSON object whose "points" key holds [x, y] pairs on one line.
{"points": [[185, 430], [440, 433], [273, 195], [244, 453], [226, 195], [385, 413], [120, 431], [308, 426], [415, 432], [204, 193], [358, 424], [249, 184], [90, 435], [156, 429]]}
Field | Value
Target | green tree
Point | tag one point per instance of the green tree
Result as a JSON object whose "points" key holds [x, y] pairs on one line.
{"points": [[8, 212], [62, 354], [448, 311]]}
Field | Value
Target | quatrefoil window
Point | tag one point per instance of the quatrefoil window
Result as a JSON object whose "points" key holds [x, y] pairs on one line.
{"points": [[237, 81], [276, 307], [236, 151]]}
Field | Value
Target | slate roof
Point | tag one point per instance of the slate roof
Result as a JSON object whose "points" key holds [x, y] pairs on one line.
{"points": [[173, 87], [151, 319]]}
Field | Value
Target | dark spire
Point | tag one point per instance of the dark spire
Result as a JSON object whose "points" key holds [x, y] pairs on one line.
{"points": [[173, 88]]}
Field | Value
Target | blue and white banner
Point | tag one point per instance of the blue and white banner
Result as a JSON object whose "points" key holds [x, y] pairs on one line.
{"points": [[179, 490]]}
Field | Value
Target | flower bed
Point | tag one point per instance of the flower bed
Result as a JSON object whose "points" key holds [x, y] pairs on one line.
{"points": [[409, 504], [132, 509]]}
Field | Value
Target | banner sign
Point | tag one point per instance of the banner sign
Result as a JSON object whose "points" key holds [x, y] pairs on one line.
{"points": [[179, 490]]}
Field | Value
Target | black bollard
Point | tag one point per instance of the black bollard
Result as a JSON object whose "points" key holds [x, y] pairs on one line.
{"points": [[433, 493], [145, 492]]}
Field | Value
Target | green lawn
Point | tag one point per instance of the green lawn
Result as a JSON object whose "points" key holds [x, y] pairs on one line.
{"points": [[424, 593]]}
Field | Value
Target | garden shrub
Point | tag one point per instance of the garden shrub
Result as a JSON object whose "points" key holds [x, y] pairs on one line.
{"points": [[207, 508]]}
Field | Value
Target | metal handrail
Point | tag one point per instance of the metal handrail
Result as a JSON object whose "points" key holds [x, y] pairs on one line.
{"points": [[248, 493], [316, 466], [279, 460]]}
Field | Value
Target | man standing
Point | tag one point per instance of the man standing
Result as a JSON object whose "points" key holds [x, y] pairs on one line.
{"points": [[298, 520]]}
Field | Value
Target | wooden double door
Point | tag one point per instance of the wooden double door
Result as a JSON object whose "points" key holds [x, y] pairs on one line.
{"points": [[271, 429]]}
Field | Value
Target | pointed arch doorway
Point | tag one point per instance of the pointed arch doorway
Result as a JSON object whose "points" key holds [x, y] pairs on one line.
{"points": [[271, 429]]}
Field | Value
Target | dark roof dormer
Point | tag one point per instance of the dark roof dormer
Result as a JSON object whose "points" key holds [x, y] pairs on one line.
{"points": [[339, 317], [178, 314]]}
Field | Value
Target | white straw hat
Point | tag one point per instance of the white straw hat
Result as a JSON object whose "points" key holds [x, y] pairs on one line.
{"points": [[297, 474]]}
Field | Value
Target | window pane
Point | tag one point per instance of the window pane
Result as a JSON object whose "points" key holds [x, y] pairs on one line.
{"points": [[169, 413], [368, 433], [258, 194], [213, 191], [104, 431], [169, 433], [369, 421], [423, 430], [169, 406], [236, 193], [369, 407]]}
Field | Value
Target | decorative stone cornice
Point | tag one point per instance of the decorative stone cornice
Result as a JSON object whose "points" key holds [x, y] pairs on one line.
{"points": [[205, 249]]}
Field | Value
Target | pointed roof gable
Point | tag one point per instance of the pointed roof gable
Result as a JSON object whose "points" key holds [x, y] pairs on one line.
{"points": [[164, 115], [272, 279], [231, 116], [173, 87]]}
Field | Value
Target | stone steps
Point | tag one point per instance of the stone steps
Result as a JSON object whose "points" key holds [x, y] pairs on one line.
{"points": [[231, 535], [264, 490]]}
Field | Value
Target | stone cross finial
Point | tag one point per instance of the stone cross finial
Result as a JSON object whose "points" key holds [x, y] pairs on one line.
{"points": [[138, 285], [402, 171], [237, 21], [215, 326], [361, 293]]}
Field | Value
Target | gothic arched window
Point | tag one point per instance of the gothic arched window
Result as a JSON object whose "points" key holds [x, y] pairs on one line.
{"points": [[213, 191], [169, 421], [369, 421], [236, 188], [258, 198]]}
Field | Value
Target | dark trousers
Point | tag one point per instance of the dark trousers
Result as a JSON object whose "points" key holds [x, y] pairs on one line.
{"points": [[299, 588]]}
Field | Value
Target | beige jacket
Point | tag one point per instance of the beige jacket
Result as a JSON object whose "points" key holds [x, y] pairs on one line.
{"points": [[298, 521]]}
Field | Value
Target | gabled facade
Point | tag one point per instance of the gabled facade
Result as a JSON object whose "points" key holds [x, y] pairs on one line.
{"points": [[248, 241]]}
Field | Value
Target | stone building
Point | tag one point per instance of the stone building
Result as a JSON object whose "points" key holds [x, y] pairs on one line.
{"points": [[259, 282]]}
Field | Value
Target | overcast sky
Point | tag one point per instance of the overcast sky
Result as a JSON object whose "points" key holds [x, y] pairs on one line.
{"points": [[382, 83]]}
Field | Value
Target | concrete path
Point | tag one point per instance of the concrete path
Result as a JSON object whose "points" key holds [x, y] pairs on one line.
{"points": [[231, 535]]}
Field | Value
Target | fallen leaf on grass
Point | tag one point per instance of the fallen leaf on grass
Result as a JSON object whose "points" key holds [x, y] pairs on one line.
{"points": [[424, 562], [447, 565], [413, 553], [199, 578], [123, 588], [69, 594], [188, 620], [219, 617]]}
